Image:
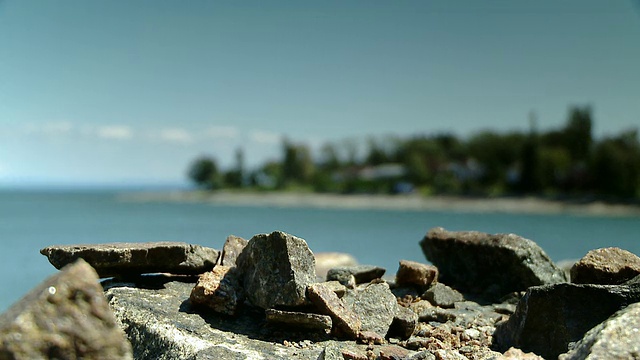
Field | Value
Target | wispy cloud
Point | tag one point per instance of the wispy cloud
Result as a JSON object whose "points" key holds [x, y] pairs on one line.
{"points": [[115, 132], [49, 128], [222, 132], [174, 135], [265, 137]]}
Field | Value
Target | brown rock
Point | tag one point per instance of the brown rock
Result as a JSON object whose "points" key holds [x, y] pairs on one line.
{"points": [[121, 259], [370, 338], [606, 266], [299, 319], [416, 274], [393, 353], [65, 317], [233, 246], [517, 354], [329, 303], [218, 290], [353, 354]]}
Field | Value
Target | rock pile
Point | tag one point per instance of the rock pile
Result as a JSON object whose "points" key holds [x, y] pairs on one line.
{"points": [[485, 297]]}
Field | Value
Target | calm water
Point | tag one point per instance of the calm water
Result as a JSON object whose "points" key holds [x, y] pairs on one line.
{"points": [[32, 220]]}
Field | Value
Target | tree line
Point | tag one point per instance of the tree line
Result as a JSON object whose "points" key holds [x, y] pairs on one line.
{"points": [[564, 162]]}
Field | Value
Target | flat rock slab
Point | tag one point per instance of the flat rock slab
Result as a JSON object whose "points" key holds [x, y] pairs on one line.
{"points": [[361, 273], [299, 319], [127, 259], [323, 297], [607, 266], [489, 265], [65, 317]]}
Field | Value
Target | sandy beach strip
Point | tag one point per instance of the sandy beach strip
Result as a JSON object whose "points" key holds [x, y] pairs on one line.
{"points": [[527, 205]]}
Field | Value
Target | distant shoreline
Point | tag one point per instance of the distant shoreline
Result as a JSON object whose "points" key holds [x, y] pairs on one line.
{"points": [[522, 205]]}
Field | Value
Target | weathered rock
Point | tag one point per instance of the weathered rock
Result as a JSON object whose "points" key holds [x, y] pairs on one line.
{"points": [[488, 265], [329, 260], [276, 269], [416, 274], [298, 319], [361, 273], [375, 305], [393, 353], [123, 259], [550, 317], [336, 287], [370, 337], [616, 338], [233, 246], [607, 266], [517, 354], [423, 355], [65, 317], [442, 295], [404, 323], [218, 290], [329, 303]]}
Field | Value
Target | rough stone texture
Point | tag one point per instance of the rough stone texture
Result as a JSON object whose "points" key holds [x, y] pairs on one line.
{"points": [[393, 353], [404, 323], [361, 273], [616, 338], [370, 337], [336, 287], [549, 317], [276, 269], [329, 260], [298, 319], [233, 246], [375, 305], [329, 303], [65, 317], [607, 266], [489, 265], [123, 259], [442, 295], [218, 290], [517, 354], [416, 274]]}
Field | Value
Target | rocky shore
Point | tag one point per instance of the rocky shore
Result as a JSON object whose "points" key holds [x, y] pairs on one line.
{"points": [[483, 296]]}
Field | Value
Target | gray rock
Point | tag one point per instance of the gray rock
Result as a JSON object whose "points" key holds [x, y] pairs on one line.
{"points": [[326, 261], [375, 305], [336, 287], [442, 295], [329, 303], [607, 266], [65, 317], [276, 269], [218, 290], [404, 323], [233, 246], [162, 325], [616, 338], [423, 355], [549, 317], [489, 265], [124, 259], [299, 319], [416, 274], [361, 273]]}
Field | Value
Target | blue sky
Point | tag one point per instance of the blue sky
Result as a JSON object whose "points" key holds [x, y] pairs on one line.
{"points": [[116, 92]]}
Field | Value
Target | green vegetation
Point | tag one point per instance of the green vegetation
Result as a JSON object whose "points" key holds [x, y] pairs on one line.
{"points": [[566, 162]]}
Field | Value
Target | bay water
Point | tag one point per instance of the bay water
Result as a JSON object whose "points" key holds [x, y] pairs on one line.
{"points": [[31, 220]]}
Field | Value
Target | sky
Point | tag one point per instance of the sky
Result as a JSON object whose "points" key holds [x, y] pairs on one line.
{"points": [[130, 92]]}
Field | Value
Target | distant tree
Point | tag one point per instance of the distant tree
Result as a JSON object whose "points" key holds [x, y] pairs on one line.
{"points": [[577, 133], [204, 173], [530, 175], [616, 166], [297, 164], [235, 176], [329, 159]]}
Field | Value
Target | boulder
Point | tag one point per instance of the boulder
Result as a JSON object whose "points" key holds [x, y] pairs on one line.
{"points": [[616, 338], [489, 265], [218, 290], [298, 319], [276, 269], [345, 319], [126, 259], [233, 246], [442, 295], [361, 273], [375, 305], [412, 273], [607, 266], [549, 317], [65, 317]]}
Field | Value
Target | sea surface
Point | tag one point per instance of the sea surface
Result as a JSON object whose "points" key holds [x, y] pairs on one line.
{"points": [[31, 220]]}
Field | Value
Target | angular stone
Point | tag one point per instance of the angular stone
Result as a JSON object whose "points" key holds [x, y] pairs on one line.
{"points": [[65, 317], [328, 260], [404, 323], [607, 266], [549, 317], [517, 354], [489, 265], [299, 319], [616, 338], [375, 305], [442, 295], [124, 259], [416, 274], [393, 353], [370, 337], [336, 287], [361, 273], [329, 303], [233, 246], [276, 269], [218, 290], [423, 355]]}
